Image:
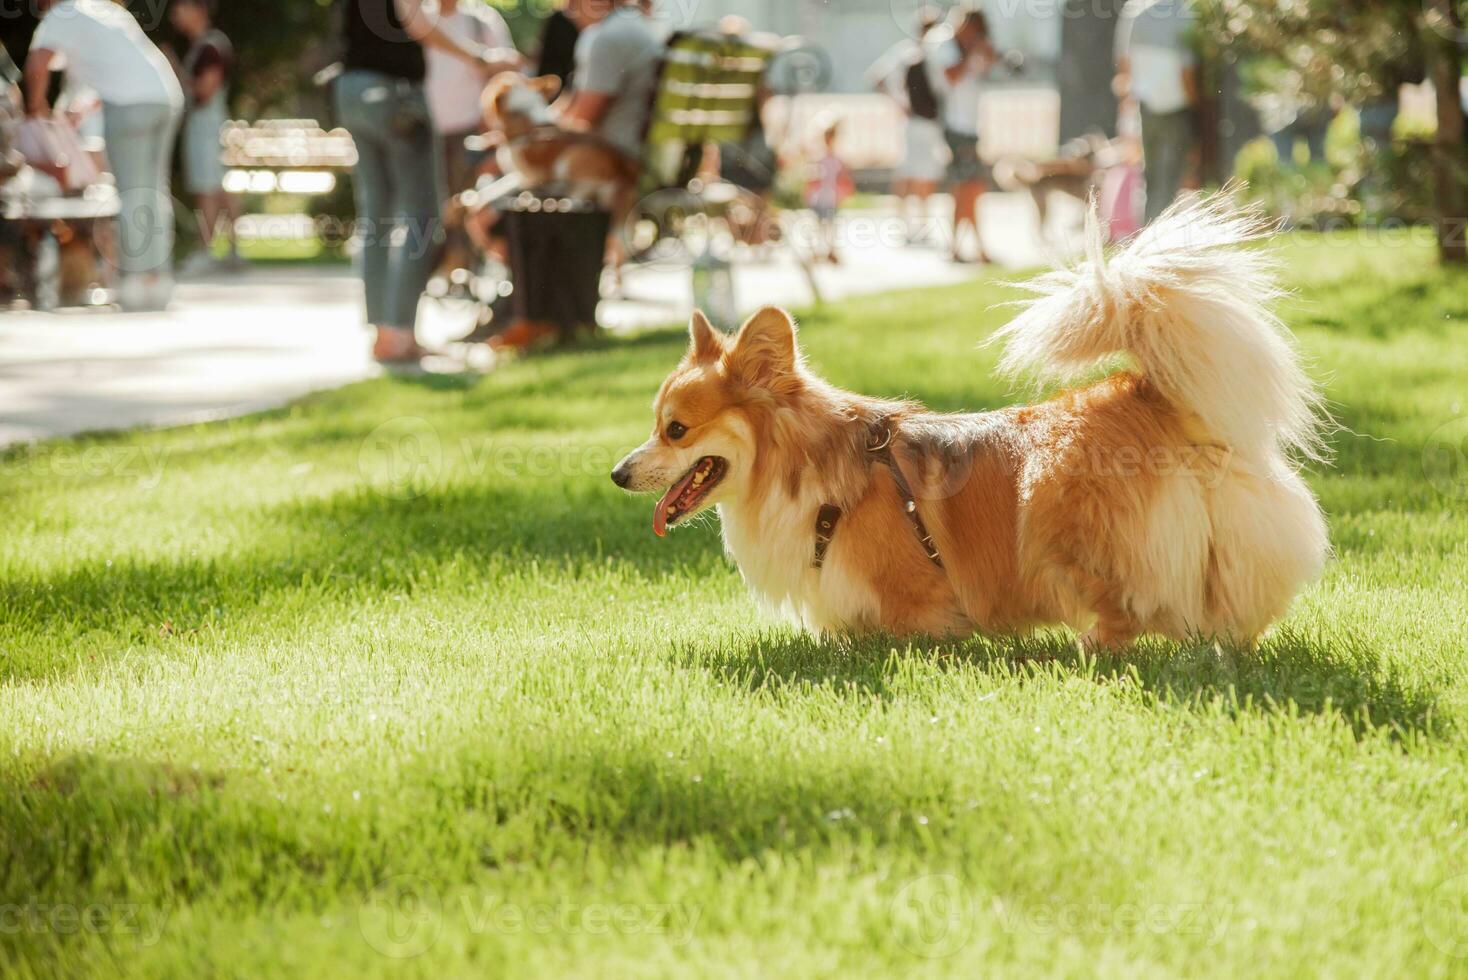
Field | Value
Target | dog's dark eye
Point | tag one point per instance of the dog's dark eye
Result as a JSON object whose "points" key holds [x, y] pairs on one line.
{"points": [[677, 430]]}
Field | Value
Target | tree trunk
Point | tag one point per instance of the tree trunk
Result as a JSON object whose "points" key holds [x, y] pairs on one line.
{"points": [[1445, 64], [1087, 65]]}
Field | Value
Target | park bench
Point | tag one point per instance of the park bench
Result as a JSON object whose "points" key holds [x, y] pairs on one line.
{"points": [[709, 92], [712, 88], [43, 219], [293, 157]]}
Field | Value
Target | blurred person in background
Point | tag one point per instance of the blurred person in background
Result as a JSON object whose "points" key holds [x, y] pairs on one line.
{"points": [[617, 58], [205, 70], [1157, 67], [12, 110], [454, 84], [556, 51], [830, 185], [957, 62], [1120, 197], [101, 46], [899, 74], [11, 164], [381, 100]]}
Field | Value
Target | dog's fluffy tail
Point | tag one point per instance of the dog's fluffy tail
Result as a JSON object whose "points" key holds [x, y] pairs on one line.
{"points": [[1189, 302]]}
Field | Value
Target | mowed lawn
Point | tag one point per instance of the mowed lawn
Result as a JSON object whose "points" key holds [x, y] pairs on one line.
{"points": [[395, 681]]}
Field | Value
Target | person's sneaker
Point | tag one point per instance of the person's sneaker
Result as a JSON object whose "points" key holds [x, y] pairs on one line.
{"points": [[160, 291], [199, 263], [145, 293], [131, 294], [523, 335], [397, 346]]}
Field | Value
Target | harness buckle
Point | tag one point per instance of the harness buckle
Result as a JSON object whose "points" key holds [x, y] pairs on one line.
{"points": [[879, 438]]}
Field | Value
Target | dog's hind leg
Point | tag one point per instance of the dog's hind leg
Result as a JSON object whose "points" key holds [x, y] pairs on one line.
{"points": [[1114, 627], [1269, 540]]}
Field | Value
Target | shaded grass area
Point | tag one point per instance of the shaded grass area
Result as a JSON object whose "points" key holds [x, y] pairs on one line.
{"points": [[394, 680]]}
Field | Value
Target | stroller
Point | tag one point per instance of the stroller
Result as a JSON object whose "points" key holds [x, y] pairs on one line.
{"points": [[56, 213]]}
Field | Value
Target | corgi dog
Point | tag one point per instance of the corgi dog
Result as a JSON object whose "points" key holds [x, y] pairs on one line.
{"points": [[1162, 499], [517, 111]]}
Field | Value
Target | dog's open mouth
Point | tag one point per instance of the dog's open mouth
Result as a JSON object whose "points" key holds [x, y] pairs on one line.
{"points": [[688, 493]]}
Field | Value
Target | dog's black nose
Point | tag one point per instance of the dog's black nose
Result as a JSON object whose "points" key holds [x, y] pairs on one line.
{"points": [[622, 475]]}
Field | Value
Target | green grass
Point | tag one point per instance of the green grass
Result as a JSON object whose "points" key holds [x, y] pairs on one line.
{"points": [[394, 680], [283, 251]]}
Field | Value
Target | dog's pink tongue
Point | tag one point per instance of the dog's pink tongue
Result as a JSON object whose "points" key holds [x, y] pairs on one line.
{"points": [[660, 514]]}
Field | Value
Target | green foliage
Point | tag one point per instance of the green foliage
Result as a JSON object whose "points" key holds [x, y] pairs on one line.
{"points": [[279, 44], [1354, 185], [394, 680], [1320, 52], [1317, 56]]}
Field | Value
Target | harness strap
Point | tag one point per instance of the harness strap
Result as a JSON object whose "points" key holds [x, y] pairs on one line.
{"points": [[826, 519], [879, 447]]}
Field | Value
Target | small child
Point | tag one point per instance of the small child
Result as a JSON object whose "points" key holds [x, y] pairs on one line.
{"points": [[830, 185], [1121, 187]]}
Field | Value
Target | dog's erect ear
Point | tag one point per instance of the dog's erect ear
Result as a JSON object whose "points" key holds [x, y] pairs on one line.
{"points": [[705, 343], [549, 86], [764, 352], [489, 96]]}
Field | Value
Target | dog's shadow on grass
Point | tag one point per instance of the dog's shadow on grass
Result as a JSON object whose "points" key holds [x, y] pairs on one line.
{"points": [[1289, 673]]}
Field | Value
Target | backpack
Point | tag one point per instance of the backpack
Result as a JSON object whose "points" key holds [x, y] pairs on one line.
{"points": [[922, 101]]}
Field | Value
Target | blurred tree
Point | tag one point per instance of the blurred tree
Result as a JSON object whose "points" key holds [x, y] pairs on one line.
{"points": [[274, 40], [1358, 51]]}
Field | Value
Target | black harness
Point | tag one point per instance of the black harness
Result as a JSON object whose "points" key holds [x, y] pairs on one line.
{"points": [[879, 448]]}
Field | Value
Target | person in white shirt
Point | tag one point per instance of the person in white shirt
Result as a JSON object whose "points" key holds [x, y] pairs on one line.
{"points": [[958, 60], [101, 46], [453, 85], [1156, 66], [925, 151]]}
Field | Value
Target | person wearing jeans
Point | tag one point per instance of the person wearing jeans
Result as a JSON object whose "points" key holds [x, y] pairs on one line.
{"points": [[104, 48], [1156, 66], [140, 150], [397, 199], [380, 99]]}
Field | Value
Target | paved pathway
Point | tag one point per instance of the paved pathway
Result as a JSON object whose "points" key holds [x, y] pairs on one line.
{"points": [[230, 346], [224, 348]]}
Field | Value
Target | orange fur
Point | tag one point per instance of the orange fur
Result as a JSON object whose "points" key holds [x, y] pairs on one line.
{"points": [[1109, 507], [515, 107]]}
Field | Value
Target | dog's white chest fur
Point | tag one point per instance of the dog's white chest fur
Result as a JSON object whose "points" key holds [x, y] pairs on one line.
{"points": [[773, 548]]}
